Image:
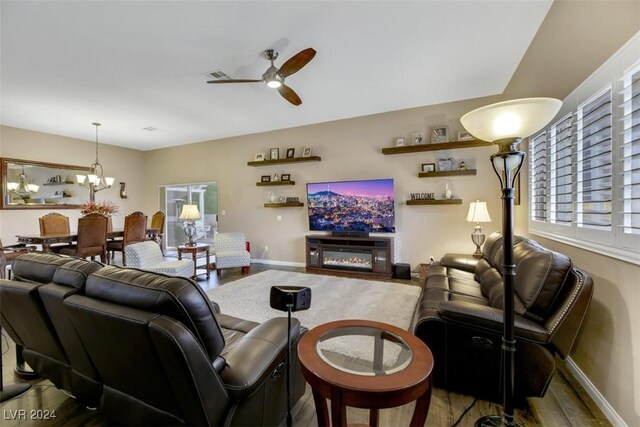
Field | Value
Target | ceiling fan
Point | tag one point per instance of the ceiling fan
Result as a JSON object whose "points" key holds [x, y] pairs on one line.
{"points": [[274, 77]]}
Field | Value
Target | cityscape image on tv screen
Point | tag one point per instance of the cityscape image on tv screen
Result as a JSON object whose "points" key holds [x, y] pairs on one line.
{"points": [[352, 206]]}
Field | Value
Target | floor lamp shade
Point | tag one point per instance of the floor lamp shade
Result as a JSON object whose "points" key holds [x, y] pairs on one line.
{"points": [[189, 214], [478, 213], [505, 124]]}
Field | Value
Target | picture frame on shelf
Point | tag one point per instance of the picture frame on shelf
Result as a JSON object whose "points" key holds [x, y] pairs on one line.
{"points": [[274, 153], [265, 178], [463, 135], [259, 157], [439, 134], [428, 167], [445, 165], [417, 138], [291, 152], [275, 177], [285, 177], [306, 152], [398, 142]]}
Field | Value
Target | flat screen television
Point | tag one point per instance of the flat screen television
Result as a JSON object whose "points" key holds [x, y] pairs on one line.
{"points": [[359, 206]]}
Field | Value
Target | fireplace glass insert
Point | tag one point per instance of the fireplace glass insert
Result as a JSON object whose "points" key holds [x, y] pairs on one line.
{"points": [[347, 259]]}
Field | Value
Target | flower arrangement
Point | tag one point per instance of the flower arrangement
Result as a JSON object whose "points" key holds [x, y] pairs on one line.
{"points": [[104, 207]]}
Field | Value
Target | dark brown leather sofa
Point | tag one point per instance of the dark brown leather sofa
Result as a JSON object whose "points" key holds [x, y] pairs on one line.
{"points": [[147, 348], [459, 317]]}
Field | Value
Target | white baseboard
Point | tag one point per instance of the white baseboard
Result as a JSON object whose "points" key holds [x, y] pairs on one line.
{"points": [[593, 392], [274, 262]]}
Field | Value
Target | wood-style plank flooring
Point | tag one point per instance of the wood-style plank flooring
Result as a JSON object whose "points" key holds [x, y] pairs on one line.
{"points": [[561, 406]]}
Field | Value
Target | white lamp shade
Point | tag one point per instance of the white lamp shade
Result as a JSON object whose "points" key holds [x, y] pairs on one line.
{"points": [[32, 188], [517, 118], [81, 178], [109, 180], [190, 212], [478, 212], [11, 186], [93, 179]]}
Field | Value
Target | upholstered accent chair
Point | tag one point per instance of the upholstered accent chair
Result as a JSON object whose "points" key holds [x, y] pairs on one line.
{"points": [[52, 224], [148, 256], [231, 251], [135, 230], [92, 238]]}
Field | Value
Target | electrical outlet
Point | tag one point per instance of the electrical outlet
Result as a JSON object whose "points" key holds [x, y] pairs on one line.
{"points": [[266, 248], [279, 218], [224, 212]]}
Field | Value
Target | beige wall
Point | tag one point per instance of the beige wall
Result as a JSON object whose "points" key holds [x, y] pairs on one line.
{"points": [[573, 41], [121, 163], [350, 149]]}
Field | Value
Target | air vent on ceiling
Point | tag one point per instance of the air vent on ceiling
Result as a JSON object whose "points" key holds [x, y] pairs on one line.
{"points": [[218, 75], [150, 128]]}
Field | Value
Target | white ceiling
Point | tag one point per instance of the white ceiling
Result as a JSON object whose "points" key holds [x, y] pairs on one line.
{"points": [[134, 64]]}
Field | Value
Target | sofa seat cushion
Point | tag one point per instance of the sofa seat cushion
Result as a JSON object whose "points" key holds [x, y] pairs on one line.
{"points": [[464, 286]]}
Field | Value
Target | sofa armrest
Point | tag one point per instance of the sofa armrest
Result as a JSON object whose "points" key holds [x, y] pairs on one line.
{"points": [[475, 316], [256, 356], [460, 261]]}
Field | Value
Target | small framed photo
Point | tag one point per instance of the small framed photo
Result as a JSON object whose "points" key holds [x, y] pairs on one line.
{"points": [[306, 152], [259, 157], [428, 167], [440, 134], [285, 177], [265, 178], [274, 153], [275, 177], [445, 165], [291, 152], [465, 136], [398, 142], [417, 138]]}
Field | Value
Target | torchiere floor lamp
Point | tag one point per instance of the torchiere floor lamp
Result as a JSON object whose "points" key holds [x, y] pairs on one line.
{"points": [[505, 124]]}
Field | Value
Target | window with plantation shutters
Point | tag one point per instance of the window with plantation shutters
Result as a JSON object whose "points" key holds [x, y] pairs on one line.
{"points": [[630, 153], [538, 176], [584, 166], [560, 150], [594, 162]]}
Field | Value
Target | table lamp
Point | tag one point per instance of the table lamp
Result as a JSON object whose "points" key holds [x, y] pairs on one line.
{"points": [[189, 214], [478, 213], [505, 124]]}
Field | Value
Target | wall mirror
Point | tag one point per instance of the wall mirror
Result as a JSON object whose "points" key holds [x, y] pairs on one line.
{"points": [[28, 184]]}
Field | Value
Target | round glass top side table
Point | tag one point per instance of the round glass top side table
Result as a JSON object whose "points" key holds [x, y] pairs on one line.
{"points": [[365, 364]]}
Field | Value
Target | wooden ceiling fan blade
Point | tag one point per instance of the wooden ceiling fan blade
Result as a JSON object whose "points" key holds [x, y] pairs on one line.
{"points": [[289, 94], [234, 81], [296, 62]]}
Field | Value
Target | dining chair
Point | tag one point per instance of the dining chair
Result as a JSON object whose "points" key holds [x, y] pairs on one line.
{"points": [[54, 224], [135, 230], [92, 238], [157, 223], [8, 254]]}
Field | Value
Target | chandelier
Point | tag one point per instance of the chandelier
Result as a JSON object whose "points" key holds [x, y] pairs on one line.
{"points": [[95, 179], [22, 188]]}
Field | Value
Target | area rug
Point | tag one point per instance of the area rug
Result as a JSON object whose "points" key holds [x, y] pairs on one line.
{"points": [[332, 298]]}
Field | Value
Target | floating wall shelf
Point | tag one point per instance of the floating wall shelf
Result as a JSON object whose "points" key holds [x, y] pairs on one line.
{"points": [[284, 205], [285, 161], [446, 173], [435, 202], [270, 183], [474, 143]]}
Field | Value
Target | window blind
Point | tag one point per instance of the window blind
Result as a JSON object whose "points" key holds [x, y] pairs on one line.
{"points": [[538, 176], [631, 154], [561, 180], [594, 162]]}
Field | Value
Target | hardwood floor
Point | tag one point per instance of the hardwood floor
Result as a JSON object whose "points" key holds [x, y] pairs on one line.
{"points": [[561, 406]]}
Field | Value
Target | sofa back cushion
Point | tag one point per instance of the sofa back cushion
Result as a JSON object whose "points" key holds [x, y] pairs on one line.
{"points": [[175, 297], [37, 267], [540, 275]]}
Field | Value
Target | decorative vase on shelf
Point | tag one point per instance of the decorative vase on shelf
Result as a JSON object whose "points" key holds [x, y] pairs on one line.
{"points": [[271, 197], [447, 192]]}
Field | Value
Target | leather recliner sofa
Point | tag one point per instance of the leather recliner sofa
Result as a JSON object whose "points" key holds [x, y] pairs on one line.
{"points": [[156, 349], [459, 317]]}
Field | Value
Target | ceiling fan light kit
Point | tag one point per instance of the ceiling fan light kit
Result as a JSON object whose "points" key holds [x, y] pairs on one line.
{"points": [[274, 77]]}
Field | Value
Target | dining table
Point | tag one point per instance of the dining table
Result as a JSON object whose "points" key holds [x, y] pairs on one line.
{"points": [[47, 241]]}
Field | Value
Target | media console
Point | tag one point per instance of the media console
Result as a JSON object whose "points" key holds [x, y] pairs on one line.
{"points": [[360, 255]]}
